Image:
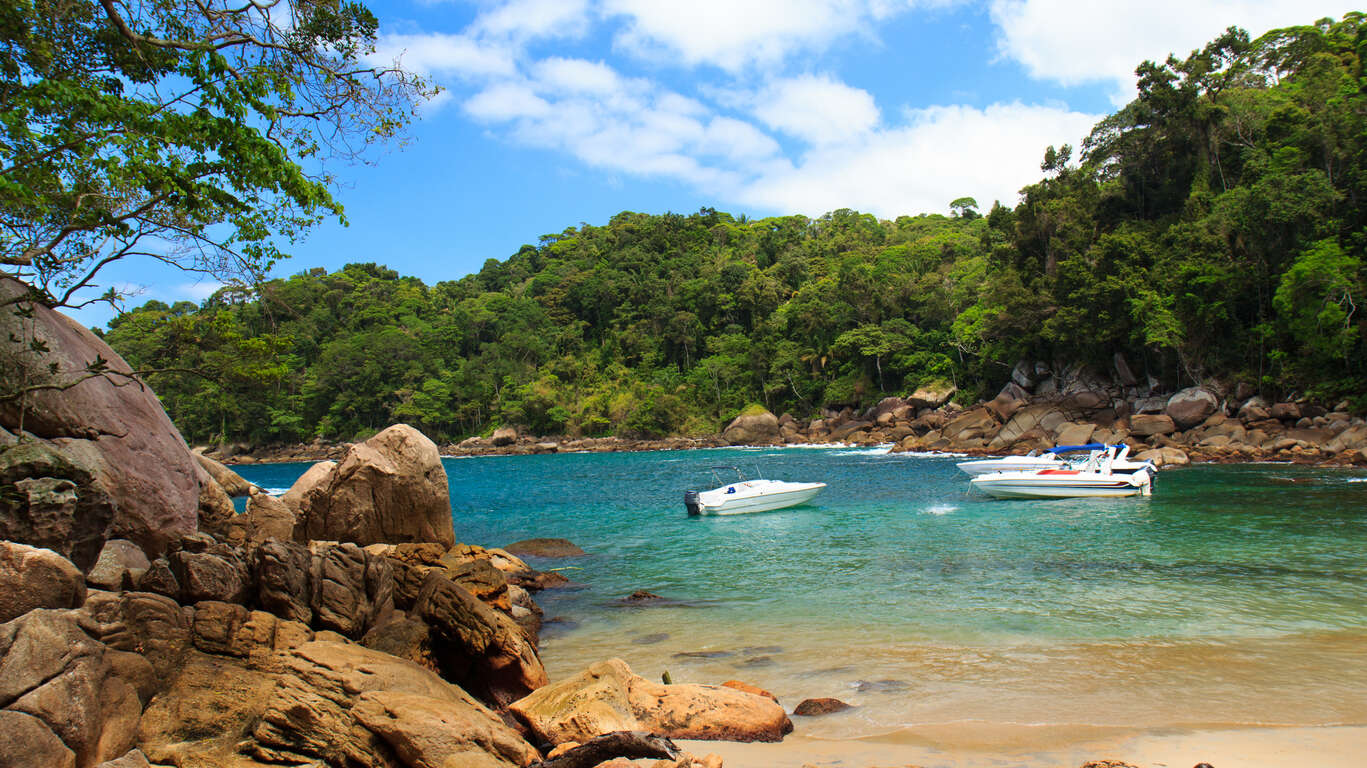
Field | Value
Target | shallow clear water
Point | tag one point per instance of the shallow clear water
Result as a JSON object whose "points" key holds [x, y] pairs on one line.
{"points": [[1236, 594]]}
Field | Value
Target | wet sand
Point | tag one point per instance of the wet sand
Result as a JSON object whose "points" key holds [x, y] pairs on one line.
{"points": [[983, 746]]}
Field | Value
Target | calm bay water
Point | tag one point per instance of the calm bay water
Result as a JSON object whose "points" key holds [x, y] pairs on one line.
{"points": [[1234, 595]]}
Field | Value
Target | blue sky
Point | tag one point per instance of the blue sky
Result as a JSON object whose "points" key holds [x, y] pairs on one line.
{"points": [[556, 112]]}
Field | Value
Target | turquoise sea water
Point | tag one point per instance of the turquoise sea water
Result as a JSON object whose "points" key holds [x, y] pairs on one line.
{"points": [[1234, 595]]}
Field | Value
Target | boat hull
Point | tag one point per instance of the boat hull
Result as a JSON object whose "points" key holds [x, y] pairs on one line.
{"points": [[1036, 485], [739, 504]]}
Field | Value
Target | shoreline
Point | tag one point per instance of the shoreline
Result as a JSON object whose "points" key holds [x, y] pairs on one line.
{"points": [[942, 746]]}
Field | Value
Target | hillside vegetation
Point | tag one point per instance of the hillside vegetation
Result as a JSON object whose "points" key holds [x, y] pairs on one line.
{"points": [[1211, 230]]}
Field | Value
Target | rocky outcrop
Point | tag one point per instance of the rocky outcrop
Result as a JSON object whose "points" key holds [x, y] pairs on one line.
{"points": [[322, 702], [72, 694], [32, 578], [389, 489], [120, 566], [111, 463], [931, 395], [314, 477], [754, 426], [231, 482], [607, 697]]}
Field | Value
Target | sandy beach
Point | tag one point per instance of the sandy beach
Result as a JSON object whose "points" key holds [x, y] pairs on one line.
{"points": [[974, 746]]}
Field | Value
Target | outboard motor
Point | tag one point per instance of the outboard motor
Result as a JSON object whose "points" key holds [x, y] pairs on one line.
{"points": [[692, 503]]}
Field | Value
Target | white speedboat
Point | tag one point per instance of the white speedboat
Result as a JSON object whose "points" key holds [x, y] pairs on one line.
{"points": [[1059, 457], [1094, 478], [749, 496]]}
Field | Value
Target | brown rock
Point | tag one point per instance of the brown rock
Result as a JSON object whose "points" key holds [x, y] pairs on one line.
{"points": [[475, 646], [29, 743], [504, 436], [389, 489], [1079, 433], [132, 475], [231, 482], [971, 425], [1024, 421], [314, 477], [267, 518], [1191, 406], [426, 731], [31, 577], [545, 548], [50, 669], [1144, 424], [748, 688], [215, 511], [1285, 411], [120, 566], [283, 572], [133, 759], [820, 706], [352, 589], [760, 428], [215, 574], [931, 395], [151, 625], [607, 697]]}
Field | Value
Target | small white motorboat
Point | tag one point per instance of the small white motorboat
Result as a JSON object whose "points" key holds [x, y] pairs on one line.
{"points": [[1058, 457], [748, 495], [1094, 478]]}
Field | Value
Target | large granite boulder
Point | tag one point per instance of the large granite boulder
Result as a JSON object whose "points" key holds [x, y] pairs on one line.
{"points": [[390, 489], [1191, 406], [323, 703], [931, 395], [608, 697], [31, 578], [754, 426], [114, 465], [55, 673]]}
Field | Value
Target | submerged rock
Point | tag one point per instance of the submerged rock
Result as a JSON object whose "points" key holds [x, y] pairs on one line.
{"points": [[544, 548], [819, 706]]}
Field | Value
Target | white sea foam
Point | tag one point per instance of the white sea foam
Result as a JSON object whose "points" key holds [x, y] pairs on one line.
{"points": [[275, 491], [1357, 479], [941, 509]]}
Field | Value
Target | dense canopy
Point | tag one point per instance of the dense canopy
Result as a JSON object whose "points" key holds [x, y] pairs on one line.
{"points": [[1212, 229]]}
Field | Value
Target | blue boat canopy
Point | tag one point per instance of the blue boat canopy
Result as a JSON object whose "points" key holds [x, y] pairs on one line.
{"points": [[1076, 448]]}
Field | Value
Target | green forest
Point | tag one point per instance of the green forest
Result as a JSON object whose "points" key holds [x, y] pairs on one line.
{"points": [[1212, 229]]}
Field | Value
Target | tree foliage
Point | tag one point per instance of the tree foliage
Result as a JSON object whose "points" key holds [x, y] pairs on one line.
{"points": [[1212, 228]]}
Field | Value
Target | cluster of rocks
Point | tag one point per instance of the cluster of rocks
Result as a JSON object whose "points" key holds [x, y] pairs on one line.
{"points": [[1196, 423], [143, 620]]}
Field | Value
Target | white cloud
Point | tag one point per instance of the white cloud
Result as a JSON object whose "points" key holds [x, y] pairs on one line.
{"points": [[1086, 41], [942, 153], [732, 35], [577, 75], [818, 110], [507, 101], [523, 20], [446, 54]]}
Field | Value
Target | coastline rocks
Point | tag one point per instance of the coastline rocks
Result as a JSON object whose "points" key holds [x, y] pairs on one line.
{"points": [[31, 577], [503, 436], [389, 489], [1191, 406], [264, 519], [608, 697], [754, 426], [931, 395], [127, 472]]}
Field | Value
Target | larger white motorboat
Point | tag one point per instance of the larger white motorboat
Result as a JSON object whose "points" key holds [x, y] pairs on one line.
{"points": [[748, 495], [1058, 457], [1094, 478]]}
